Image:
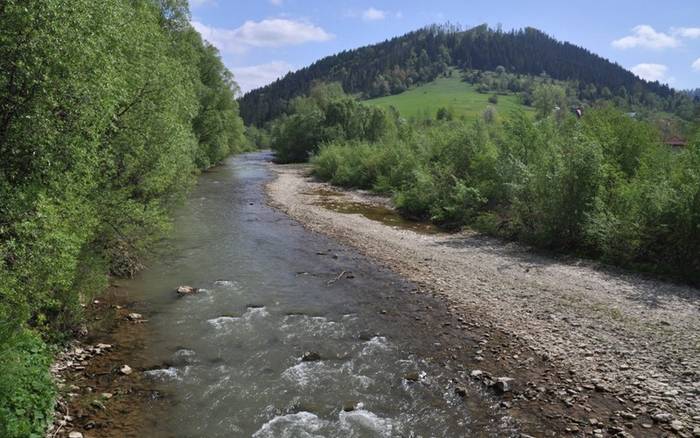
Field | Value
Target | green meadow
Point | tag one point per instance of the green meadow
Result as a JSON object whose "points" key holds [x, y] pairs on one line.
{"points": [[450, 92]]}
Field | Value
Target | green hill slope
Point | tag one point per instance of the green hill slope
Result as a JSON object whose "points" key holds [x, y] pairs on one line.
{"points": [[450, 92]]}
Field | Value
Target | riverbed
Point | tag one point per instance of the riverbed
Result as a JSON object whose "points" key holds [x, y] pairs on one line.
{"points": [[292, 334]]}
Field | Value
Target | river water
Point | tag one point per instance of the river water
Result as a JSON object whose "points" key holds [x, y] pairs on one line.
{"points": [[228, 360]]}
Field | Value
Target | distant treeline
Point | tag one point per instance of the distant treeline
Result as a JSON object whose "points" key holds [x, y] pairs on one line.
{"points": [[603, 185], [418, 57], [107, 111]]}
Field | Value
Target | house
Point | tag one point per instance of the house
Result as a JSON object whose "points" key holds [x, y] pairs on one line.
{"points": [[675, 141]]}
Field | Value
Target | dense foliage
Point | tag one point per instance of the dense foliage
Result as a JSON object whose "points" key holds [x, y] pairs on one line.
{"points": [[326, 115], [107, 110], [418, 57], [603, 185]]}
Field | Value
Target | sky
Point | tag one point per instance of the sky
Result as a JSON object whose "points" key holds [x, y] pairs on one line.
{"points": [[261, 40]]}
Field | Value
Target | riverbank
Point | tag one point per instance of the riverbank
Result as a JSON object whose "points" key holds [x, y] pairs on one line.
{"points": [[591, 350], [102, 391]]}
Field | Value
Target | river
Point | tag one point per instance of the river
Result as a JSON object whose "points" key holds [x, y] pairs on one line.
{"points": [[229, 359]]}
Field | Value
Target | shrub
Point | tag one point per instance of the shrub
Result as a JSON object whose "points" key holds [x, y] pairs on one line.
{"points": [[26, 386]]}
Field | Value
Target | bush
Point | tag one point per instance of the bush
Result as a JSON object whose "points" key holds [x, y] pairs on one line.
{"points": [[493, 99], [325, 117], [603, 185], [26, 387]]}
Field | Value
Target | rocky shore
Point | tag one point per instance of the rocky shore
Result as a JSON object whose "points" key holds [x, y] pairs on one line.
{"points": [[571, 346], [101, 390]]}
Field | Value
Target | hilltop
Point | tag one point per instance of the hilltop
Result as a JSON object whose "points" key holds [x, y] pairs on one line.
{"points": [[396, 65]]}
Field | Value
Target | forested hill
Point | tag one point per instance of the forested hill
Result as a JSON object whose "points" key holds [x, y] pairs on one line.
{"points": [[394, 65]]}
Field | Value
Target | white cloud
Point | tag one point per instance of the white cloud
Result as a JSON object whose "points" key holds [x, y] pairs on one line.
{"points": [[696, 65], [373, 14], [256, 76], [646, 37], [686, 32], [651, 72], [271, 32]]}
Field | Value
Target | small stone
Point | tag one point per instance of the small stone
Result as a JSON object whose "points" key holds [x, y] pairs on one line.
{"points": [[75, 434], [106, 395], [412, 376], [627, 415], [310, 356], [662, 417], [186, 290], [677, 425], [503, 385], [461, 391], [476, 374], [126, 370], [349, 406], [134, 317], [97, 404]]}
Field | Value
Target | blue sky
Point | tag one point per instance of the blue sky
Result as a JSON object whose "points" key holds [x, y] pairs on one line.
{"points": [[261, 40]]}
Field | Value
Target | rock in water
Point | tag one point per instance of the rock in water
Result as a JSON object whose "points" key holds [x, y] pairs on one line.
{"points": [[412, 376], [310, 356], [186, 290], [134, 316], [75, 435], [126, 370]]}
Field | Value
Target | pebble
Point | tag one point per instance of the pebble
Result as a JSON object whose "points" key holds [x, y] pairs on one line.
{"points": [[662, 417], [75, 435], [126, 370], [677, 425]]}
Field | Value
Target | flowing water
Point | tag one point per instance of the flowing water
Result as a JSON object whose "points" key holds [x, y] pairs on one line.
{"points": [[228, 359]]}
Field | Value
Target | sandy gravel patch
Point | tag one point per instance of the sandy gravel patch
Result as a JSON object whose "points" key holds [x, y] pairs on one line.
{"points": [[634, 339]]}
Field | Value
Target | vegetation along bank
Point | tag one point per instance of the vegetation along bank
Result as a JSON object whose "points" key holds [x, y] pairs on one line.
{"points": [[107, 112]]}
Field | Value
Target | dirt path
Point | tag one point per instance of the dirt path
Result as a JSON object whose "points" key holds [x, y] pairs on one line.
{"points": [[600, 352]]}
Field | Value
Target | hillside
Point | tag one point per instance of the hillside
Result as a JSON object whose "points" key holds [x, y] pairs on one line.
{"points": [[419, 57], [446, 92]]}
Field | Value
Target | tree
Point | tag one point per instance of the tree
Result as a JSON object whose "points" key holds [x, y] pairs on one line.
{"points": [[549, 99]]}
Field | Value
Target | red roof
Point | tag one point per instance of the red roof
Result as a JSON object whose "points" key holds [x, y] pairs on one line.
{"points": [[675, 141]]}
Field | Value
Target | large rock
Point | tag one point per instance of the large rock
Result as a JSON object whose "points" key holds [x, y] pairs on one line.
{"points": [[186, 290]]}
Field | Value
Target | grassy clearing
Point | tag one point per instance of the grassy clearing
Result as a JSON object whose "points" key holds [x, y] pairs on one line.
{"points": [[450, 92]]}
